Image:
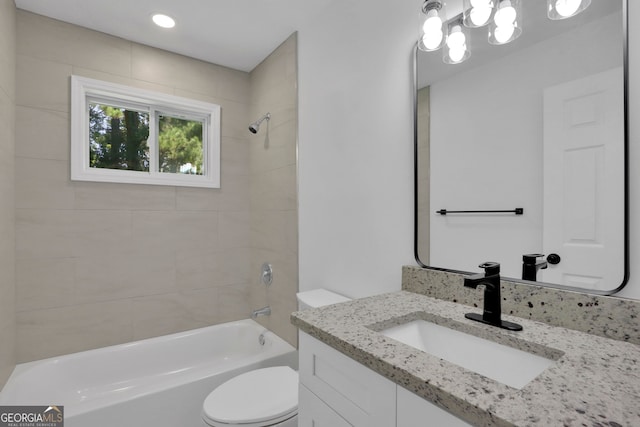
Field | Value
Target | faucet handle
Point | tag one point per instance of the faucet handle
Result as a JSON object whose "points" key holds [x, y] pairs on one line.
{"points": [[531, 258], [490, 268]]}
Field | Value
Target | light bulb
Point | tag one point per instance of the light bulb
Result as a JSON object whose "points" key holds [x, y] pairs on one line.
{"points": [[503, 33], [477, 13], [432, 27], [456, 38], [457, 53], [433, 40], [433, 23], [480, 15], [505, 26], [456, 50], [505, 15], [567, 8]]}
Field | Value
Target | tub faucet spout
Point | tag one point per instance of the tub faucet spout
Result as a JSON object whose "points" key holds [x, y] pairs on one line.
{"points": [[264, 311]]}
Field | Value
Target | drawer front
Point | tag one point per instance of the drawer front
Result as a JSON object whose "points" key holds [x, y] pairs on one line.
{"points": [[313, 412], [358, 394]]}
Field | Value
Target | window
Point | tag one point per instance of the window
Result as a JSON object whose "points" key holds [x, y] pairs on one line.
{"points": [[124, 134]]}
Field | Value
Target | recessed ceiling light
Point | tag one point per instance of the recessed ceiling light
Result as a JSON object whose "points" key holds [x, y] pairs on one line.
{"points": [[163, 21]]}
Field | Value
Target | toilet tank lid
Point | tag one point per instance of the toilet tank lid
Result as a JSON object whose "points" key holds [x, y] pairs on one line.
{"points": [[320, 297], [254, 397]]}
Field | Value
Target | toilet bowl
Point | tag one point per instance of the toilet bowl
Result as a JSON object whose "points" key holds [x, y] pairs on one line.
{"points": [[258, 398], [266, 397]]}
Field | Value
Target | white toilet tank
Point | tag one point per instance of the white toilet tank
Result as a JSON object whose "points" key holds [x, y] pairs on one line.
{"points": [[318, 298]]}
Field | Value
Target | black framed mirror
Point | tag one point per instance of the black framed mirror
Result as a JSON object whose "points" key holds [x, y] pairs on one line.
{"points": [[521, 150]]}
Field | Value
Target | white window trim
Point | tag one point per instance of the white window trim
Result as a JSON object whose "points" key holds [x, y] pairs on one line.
{"points": [[82, 89]]}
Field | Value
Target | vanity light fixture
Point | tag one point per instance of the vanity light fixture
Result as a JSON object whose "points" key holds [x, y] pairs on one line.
{"points": [[562, 9], [432, 36], [504, 18], [455, 50], [477, 13], [505, 26], [164, 21]]}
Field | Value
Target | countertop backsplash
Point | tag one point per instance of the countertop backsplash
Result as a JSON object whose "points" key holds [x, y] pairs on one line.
{"points": [[606, 316]]}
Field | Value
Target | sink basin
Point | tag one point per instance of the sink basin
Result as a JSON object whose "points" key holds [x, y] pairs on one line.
{"points": [[508, 365]]}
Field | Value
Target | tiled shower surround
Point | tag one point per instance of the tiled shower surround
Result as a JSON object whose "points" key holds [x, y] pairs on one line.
{"points": [[7, 213], [99, 263], [273, 183]]}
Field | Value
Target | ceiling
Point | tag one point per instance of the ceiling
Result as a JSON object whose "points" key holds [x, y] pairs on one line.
{"points": [[237, 34]]}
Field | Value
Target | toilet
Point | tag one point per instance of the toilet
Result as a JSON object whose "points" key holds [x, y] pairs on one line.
{"points": [[266, 397]]}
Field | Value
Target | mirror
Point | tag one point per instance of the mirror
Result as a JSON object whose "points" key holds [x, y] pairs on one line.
{"points": [[537, 125]]}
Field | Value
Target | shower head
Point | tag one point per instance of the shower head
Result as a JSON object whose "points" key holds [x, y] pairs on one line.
{"points": [[255, 126]]}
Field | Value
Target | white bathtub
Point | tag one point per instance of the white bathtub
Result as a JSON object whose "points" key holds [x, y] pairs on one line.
{"points": [[159, 382]]}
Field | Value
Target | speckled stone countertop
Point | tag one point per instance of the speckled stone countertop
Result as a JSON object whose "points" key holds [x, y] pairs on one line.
{"points": [[595, 380]]}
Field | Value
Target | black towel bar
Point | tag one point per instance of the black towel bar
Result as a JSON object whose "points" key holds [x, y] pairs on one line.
{"points": [[517, 211]]}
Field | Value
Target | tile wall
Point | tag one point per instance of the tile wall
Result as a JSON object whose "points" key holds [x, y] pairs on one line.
{"points": [[98, 263], [423, 207], [7, 218], [274, 203]]}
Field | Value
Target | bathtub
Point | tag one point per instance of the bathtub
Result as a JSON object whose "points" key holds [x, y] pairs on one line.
{"points": [[160, 382]]}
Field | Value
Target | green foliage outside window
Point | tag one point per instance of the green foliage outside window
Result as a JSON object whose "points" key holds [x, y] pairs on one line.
{"points": [[180, 144], [118, 138]]}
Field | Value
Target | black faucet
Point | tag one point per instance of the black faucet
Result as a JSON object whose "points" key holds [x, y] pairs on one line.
{"points": [[530, 266], [492, 309]]}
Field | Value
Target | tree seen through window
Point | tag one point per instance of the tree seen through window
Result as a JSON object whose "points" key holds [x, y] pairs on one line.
{"points": [[118, 140], [180, 143]]}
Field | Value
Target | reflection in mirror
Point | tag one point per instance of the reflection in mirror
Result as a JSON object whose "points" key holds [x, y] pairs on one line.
{"points": [[537, 124]]}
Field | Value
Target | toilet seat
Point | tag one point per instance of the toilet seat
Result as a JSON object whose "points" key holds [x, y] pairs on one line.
{"points": [[258, 398]]}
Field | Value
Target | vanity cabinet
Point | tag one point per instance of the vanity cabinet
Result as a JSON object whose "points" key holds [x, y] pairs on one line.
{"points": [[337, 391], [315, 412], [361, 397]]}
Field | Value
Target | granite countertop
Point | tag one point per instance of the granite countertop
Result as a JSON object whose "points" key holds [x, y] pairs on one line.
{"points": [[595, 381]]}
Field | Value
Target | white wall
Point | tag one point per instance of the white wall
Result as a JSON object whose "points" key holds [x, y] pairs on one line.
{"points": [[355, 146], [356, 152]]}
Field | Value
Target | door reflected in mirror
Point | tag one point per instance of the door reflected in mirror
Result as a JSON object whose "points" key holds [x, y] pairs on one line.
{"points": [[537, 124]]}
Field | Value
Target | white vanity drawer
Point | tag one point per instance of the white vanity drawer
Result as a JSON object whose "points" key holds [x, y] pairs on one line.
{"points": [[355, 392], [313, 412]]}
